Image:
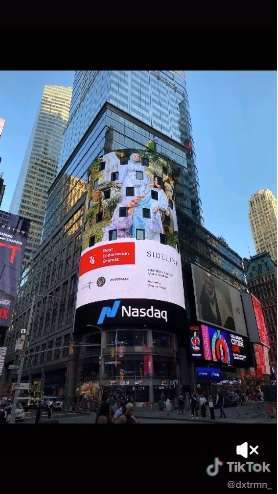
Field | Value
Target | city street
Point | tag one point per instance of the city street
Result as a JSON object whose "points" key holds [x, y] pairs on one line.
{"points": [[253, 413]]}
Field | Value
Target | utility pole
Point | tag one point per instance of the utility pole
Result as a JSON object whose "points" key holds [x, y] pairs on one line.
{"points": [[22, 360]]}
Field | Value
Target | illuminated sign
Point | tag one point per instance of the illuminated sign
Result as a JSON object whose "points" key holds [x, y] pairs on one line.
{"points": [[208, 372], [218, 345], [217, 303], [13, 235], [262, 331], [195, 342], [130, 267]]}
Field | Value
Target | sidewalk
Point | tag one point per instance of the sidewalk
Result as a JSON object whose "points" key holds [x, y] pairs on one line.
{"points": [[244, 414]]}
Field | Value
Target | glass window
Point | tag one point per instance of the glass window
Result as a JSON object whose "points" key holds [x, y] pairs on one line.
{"points": [[122, 212], [92, 241], [164, 367], [114, 176], [112, 234], [129, 191], [107, 193], [163, 239], [140, 234], [146, 213], [139, 175], [161, 340], [154, 194]]}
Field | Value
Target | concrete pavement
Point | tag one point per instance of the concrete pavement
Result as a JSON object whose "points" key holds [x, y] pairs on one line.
{"points": [[251, 413]]}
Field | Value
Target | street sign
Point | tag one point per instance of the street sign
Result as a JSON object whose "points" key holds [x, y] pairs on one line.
{"points": [[25, 386]]}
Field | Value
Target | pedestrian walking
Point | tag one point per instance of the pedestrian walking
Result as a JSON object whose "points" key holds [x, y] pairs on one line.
{"points": [[181, 404], [49, 410], [129, 413], [220, 404], [38, 414], [2, 416], [120, 410], [168, 406], [161, 404], [104, 413], [194, 405], [203, 405], [211, 407]]}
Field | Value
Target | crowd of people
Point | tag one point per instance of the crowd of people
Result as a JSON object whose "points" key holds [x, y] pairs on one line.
{"points": [[203, 405], [115, 409]]}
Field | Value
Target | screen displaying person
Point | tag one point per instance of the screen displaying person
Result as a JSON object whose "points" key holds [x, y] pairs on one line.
{"points": [[214, 303]]}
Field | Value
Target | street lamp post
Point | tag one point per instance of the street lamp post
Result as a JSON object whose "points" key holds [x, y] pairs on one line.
{"points": [[22, 360]]}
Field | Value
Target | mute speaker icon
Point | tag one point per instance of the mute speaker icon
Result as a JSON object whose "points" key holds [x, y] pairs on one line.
{"points": [[242, 449]]}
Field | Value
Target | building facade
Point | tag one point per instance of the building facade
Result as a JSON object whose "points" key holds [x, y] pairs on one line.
{"points": [[263, 220], [111, 112], [41, 162], [261, 273]]}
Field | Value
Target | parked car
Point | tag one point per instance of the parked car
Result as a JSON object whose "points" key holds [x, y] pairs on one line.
{"points": [[19, 412]]}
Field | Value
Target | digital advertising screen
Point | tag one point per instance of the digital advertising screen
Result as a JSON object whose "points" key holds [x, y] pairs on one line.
{"points": [[208, 373], [13, 236], [259, 315], [130, 268], [230, 349], [217, 302], [195, 342]]}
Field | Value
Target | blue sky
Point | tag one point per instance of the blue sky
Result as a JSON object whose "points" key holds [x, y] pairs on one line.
{"points": [[234, 128]]}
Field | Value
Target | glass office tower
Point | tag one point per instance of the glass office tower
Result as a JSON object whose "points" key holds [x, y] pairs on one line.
{"points": [[40, 163], [110, 111]]}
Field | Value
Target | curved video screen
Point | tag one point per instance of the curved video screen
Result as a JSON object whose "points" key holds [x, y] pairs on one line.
{"points": [[130, 243]]}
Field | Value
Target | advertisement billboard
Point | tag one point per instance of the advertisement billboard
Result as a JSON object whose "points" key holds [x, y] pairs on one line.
{"points": [[195, 342], [230, 349], [208, 373], [217, 302], [13, 236], [259, 315], [250, 318], [130, 268]]}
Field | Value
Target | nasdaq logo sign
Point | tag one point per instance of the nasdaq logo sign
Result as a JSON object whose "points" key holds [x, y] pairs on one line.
{"points": [[109, 311]]}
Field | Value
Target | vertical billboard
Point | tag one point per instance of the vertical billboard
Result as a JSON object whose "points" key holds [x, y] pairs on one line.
{"points": [[217, 302], [13, 236], [259, 315], [130, 268]]}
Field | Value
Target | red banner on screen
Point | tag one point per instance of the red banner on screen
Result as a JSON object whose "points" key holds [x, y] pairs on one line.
{"points": [[119, 253], [260, 361], [260, 321]]}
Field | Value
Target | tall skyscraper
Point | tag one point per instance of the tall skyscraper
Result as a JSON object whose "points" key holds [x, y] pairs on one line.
{"points": [[261, 273], [263, 220], [41, 162], [127, 174]]}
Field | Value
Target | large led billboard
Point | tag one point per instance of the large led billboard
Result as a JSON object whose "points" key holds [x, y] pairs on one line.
{"points": [[130, 268], [259, 315], [212, 344], [13, 236], [217, 302]]}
